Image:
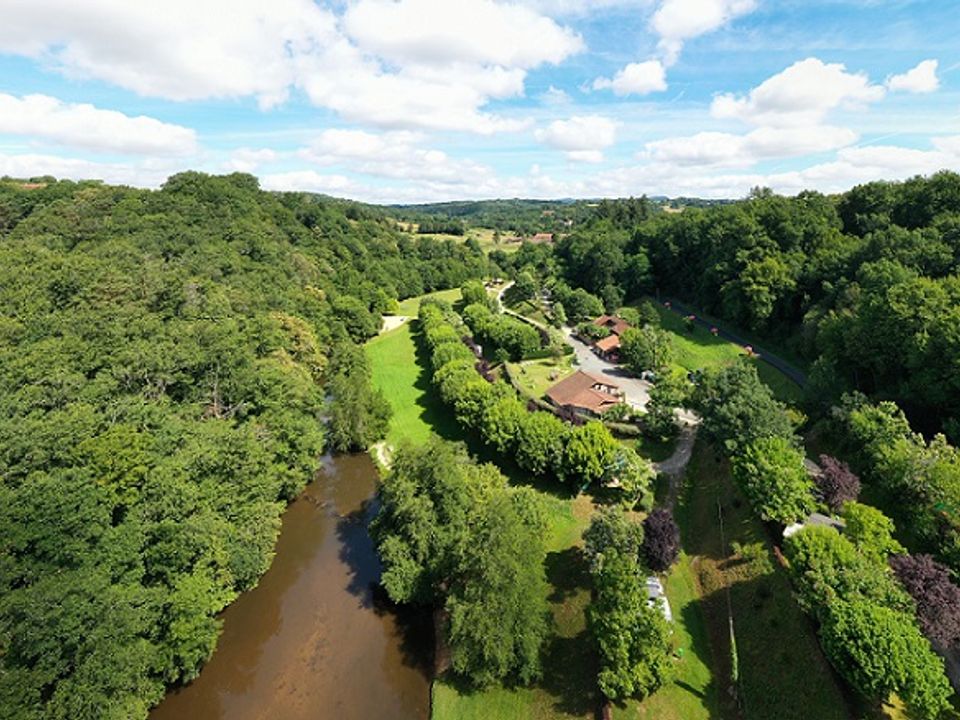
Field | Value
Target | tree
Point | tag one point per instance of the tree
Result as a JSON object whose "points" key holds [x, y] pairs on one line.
{"points": [[590, 451], [938, 598], [661, 540], [453, 534], [497, 605], [772, 475], [474, 292], [646, 348], [870, 530], [836, 484], [632, 637], [541, 438], [737, 408], [525, 287], [879, 653], [611, 530], [558, 316]]}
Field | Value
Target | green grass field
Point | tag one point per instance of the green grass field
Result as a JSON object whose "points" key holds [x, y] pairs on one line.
{"points": [[783, 672], [417, 411], [700, 349], [535, 377], [411, 306]]}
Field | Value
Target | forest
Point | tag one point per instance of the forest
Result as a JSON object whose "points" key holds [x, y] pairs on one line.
{"points": [[172, 365]]}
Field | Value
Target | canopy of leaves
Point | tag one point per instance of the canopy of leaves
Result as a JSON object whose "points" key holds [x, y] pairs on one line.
{"points": [[661, 540], [452, 534], [631, 635], [770, 470], [165, 358], [737, 408], [937, 597]]}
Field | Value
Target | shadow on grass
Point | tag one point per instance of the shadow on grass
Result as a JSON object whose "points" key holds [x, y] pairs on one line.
{"points": [[569, 673], [567, 573]]}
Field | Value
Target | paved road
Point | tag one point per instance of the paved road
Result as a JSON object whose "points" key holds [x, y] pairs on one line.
{"points": [[779, 363]]}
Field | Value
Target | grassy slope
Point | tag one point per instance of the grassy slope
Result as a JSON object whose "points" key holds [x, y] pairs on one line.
{"points": [[783, 672], [700, 349]]}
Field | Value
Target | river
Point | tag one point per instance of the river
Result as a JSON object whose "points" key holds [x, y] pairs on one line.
{"points": [[316, 639]]}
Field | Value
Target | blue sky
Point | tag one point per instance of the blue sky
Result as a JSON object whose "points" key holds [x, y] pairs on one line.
{"points": [[425, 100]]}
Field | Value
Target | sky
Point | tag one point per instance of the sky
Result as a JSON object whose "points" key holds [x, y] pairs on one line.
{"points": [[402, 101]]}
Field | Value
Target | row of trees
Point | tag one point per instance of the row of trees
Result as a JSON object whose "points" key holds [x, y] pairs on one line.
{"points": [[922, 479], [631, 633], [541, 443], [503, 335], [868, 625], [453, 536]]}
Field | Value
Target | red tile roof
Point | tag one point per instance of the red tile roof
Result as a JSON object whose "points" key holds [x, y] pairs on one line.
{"points": [[580, 391], [610, 342], [616, 325]]}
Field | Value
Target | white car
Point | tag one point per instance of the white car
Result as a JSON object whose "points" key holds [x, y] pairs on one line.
{"points": [[657, 596]]}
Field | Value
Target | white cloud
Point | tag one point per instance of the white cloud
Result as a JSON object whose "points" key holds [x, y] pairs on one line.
{"points": [[729, 150], [555, 96], [408, 63], [310, 181], [676, 21], [147, 173], [436, 32], [583, 137], [561, 8], [85, 126], [921, 79], [801, 95], [391, 155], [248, 159], [635, 78], [179, 49]]}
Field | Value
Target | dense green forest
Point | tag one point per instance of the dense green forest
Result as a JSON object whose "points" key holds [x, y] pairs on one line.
{"points": [[864, 285], [168, 361]]}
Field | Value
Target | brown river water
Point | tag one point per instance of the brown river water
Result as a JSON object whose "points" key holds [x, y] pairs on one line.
{"points": [[316, 639]]}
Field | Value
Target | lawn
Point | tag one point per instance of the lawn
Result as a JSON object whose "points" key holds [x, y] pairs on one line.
{"points": [[535, 377], [783, 672], [417, 411], [411, 306], [700, 349]]}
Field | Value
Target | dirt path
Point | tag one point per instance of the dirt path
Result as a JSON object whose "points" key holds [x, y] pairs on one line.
{"points": [[675, 465], [392, 322]]}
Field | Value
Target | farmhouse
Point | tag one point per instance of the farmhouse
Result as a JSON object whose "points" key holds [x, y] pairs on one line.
{"points": [[609, 347], [584, 392]]}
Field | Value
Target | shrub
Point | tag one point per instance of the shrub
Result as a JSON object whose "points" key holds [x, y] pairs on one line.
{"points": [[661, 540]]}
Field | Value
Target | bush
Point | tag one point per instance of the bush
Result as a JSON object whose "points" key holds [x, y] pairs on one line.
{"points": [[661, 540], [837, 484]]}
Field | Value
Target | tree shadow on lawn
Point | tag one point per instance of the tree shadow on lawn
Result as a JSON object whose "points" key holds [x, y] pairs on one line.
{"points": [[570, 673], [567, 573]]}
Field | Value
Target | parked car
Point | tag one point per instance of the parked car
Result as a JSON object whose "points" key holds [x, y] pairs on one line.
{"points": [[657, 596]]}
